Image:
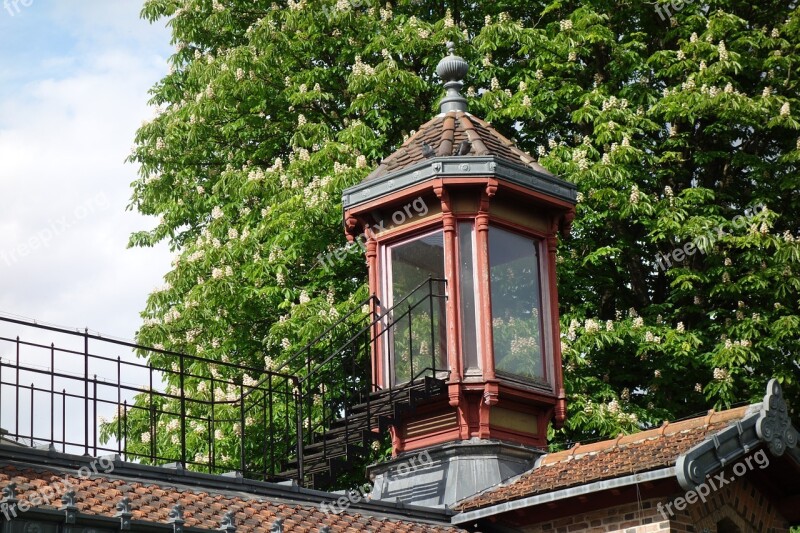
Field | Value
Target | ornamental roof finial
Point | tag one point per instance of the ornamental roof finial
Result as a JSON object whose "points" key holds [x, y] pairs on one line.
{"points": [[452, 69]]}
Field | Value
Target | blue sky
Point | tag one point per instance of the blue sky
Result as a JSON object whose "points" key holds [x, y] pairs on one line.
{"points": [[74, 81]]}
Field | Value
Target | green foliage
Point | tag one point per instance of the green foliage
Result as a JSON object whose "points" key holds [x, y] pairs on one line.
{"points": [[670, 129]]}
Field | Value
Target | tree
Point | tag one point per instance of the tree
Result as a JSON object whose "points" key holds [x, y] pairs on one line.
{"points": [[677, 125]]}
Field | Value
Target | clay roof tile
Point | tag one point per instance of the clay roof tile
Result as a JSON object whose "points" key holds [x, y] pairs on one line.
{"points": [[627, 454], [152, 502], [444, 133]]}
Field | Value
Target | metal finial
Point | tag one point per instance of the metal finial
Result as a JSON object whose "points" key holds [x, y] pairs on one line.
{"points": [[175, 518], [228, 523], [452, 69], [124, 513], [10, 494], [69, 504]]}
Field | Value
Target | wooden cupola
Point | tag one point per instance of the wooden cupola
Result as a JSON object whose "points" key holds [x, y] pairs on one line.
{"points": [[460, 206]]}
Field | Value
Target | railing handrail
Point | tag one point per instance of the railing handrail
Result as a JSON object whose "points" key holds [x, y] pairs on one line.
{"points": [[429, 281], [127, 344], [59, 380], [377, 321], [355, 333], [327, 330]]}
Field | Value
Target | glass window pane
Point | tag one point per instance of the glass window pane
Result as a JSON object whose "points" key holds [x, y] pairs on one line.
{"points": [[516, 304], [469, 330], [418, 332]]}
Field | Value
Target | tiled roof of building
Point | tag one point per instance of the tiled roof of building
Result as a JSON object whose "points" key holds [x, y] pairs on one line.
{"points": [[205, 507], [443, 136], [625, 455]]}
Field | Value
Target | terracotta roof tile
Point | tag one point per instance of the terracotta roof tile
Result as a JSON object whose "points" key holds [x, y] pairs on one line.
{"points": [[625, 455], [444, 133], [254, 514]]}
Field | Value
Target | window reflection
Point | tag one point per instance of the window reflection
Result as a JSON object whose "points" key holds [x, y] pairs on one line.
{"points": [[516, 304], [418, 335], [469, 329]]}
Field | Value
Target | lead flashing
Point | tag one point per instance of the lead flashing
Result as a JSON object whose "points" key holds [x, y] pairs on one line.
{"points": [[459, 166]]}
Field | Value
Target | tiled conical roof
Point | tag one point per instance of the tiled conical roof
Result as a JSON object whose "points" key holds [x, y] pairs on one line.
{"points": [[447, 135], [456, 143]]}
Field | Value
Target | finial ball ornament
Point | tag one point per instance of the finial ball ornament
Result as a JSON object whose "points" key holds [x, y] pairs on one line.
{"points": [[452, 67]]}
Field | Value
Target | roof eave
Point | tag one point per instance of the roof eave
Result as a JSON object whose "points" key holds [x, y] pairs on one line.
{"points": [[459, 166], [766, 424], [563, 494]]}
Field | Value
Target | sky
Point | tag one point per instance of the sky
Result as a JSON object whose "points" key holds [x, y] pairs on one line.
{"points": [[74, 82]]}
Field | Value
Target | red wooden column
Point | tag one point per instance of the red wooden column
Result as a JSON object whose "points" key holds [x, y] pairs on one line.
{"points": [[377, 346], [555, 329], [455, 356], [491, 388], [454, 360]]}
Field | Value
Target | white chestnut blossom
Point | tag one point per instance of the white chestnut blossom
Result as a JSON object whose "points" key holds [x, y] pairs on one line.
{"points": [[634, 196]]}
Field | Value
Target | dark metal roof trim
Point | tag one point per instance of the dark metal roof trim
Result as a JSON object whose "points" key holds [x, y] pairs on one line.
{"points": [[459, 166], [182, 479], [766, 423], [97, 522], [563, 494]]}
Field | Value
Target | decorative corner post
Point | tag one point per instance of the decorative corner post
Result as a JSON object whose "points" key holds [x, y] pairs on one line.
{"points": [[175, 518], [124, 513], [774, 425], [69, 506]]}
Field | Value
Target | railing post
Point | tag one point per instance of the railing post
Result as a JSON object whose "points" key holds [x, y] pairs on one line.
{"points": [[32, 410], [212, 421], [124, 435], [242, 426], [119, 401], [63, 420], [299, 402], [266, 424], [52, 392], [410, 344], [94, 415], [151, 418], [16, 394], [269, 428], [183, 413], [86, 388], [432, 347]]}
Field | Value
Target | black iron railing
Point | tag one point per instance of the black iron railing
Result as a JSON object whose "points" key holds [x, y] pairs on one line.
{"points": [[92, 395], [339, 386], [83, 393]]}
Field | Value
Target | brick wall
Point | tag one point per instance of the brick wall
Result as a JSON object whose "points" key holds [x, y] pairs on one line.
{"points": [[739, 503], [628, 518]]}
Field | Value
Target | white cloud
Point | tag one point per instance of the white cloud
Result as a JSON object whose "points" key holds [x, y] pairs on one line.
{"points": [[65, 132]]}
